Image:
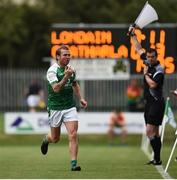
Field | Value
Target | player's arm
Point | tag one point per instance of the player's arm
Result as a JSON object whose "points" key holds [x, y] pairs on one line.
{"points": [[68, 72], [155, 80], [57, 86], [151, 83], [52, 78], [135, 41], [138, 46], [77, 92]]}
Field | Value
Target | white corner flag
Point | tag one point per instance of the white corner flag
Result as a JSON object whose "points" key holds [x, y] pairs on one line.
{"points": [[171, 154], [169, 116]]}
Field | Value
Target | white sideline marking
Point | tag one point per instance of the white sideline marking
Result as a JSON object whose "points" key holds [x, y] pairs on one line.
{"points": [[160, 168]]}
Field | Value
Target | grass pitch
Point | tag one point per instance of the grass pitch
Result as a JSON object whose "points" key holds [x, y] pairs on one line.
{"points": [[96, 161], [20, 158]]}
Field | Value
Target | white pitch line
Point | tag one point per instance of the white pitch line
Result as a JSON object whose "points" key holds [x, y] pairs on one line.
{"points": [[160, 168], [164, 174]]}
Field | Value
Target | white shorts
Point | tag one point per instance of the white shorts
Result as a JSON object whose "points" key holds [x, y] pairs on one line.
{"points": [[57, 117], [33, 100]]}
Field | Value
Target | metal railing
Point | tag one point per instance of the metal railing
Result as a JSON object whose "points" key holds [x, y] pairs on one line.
{"points": [[102, 95]]}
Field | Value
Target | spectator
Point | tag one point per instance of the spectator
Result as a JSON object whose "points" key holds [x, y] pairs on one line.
{"points": [[134, 96], [117, 120], [35, 96]]}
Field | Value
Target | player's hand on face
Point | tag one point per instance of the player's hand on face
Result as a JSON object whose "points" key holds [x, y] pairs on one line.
{"points": [[68, 71], [145, 70], [83, 103]]}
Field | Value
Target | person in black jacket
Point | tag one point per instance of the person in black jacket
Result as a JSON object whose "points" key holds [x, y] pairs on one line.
{"points": [[153, 96]]}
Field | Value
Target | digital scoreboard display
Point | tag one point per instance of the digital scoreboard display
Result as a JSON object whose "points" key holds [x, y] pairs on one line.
{"points": [[111, 42]]}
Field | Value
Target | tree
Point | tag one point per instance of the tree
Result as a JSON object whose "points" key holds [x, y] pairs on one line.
{"points": [[25, 29]]}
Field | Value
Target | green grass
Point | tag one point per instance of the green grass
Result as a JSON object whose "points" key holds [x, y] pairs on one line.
{"points": [[97, 162], [20, 157]]}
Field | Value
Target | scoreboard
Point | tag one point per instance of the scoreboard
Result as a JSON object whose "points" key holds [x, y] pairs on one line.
{"points": [[109, 41]]}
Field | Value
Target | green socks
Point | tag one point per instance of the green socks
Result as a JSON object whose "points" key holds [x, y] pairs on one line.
{"points": [[45, 140], [73, 163]]}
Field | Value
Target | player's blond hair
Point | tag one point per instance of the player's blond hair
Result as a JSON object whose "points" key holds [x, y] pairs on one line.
{"points": [[58, 51]]}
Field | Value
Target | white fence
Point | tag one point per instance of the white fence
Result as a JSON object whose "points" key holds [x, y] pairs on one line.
{"points": [[102, 95]]}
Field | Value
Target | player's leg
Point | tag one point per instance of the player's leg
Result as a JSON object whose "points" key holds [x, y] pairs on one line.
{"points": [[155, 142], [154, 120], [55, 121], [52, 137], [160, 108], [72, 127], [111, 131], [70, 120], [158, 145], [123, 134]]}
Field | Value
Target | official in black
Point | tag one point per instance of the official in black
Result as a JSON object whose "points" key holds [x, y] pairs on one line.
{"points": [[153, 95]]}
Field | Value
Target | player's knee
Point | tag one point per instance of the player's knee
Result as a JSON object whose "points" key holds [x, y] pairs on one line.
{"points": [[55, 139], [73, 135], [124, 131], [110, 131], [149, 133]]}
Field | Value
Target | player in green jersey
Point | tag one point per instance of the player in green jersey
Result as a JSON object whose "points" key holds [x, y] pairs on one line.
{"points": [[62, 85]]}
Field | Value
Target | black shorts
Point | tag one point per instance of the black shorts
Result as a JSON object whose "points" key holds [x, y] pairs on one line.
{"points": [[154, 112]]}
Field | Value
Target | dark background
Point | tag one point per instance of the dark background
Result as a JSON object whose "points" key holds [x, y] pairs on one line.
{"points": [[25, 28]]}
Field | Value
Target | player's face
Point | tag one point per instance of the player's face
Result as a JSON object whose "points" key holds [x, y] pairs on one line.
{"points": [[152, 57], [65, 57]]}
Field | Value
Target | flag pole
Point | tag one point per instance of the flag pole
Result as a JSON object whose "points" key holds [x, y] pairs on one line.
{"points": [[164, 119], [171, 154]]}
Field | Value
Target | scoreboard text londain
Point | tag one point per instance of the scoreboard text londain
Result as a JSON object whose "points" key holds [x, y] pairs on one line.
{"points": [[113, 43]]}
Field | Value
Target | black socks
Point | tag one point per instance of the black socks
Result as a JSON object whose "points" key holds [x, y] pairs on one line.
{"points": [[155, 142]]}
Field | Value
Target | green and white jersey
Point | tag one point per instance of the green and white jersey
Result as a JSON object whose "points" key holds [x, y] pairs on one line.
{"points": [[64, 98]]}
